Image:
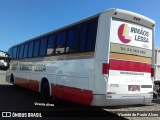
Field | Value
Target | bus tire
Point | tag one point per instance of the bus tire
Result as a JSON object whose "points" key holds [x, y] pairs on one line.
{"points": [[12, 81], [45, 91]]}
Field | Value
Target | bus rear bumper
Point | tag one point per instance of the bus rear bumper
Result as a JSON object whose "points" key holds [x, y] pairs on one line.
{"points": [[115, 100]]}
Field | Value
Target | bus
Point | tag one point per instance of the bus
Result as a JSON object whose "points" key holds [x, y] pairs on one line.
{"points": [[102, 60]]}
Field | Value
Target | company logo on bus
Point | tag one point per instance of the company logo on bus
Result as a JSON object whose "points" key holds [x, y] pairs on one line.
{"points": [[123, 33]]}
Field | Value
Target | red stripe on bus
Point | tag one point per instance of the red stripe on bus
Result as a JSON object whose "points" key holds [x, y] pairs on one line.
{"points": [[29, 84], [129, 66], [72, 94]]}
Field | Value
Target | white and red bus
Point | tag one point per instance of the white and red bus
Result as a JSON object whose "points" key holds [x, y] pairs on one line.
{"points": [[103, 60]]}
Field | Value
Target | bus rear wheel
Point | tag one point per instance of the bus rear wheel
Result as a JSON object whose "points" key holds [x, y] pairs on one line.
{"points": [[45, 92], [12, 81]]}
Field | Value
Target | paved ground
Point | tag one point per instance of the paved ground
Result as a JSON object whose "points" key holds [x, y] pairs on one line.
{"points": [[20, 100], [2, 77]]}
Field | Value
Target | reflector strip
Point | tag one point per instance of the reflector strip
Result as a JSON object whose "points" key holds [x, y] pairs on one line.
{"points": [[105, 68], [129, 66]]}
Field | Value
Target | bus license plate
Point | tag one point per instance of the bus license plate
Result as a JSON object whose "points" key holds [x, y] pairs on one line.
{"points": [[134, 88]]}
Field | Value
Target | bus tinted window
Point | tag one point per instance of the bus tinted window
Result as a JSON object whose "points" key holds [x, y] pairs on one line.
{"points": [[36, 48], [72, 41], [21, 51], [43, 46], [18, 51], [25, 50], [30, 49], [60, 46], [10, 53], [51, 44], [92, 31], [83, 38], [14, 52]]}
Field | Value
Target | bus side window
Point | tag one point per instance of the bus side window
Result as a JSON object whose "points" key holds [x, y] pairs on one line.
{"points": [[60, 46], [18, 50], [51, 44], [10, 53], [25, 50], [30, 49], [72, 41], [83, 38], [36, 48], [43, 46], [21, 51], [92, 31], [14, 52]]}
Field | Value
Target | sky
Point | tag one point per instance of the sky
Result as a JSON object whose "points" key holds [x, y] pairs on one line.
{"points": [[21, 20]]}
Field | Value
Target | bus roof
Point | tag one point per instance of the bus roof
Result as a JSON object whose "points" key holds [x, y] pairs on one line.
{"points": [[116, 11]]}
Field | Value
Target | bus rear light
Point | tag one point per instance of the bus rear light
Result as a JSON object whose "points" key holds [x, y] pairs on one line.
{"points": [[105, 68], [152, 72]]}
